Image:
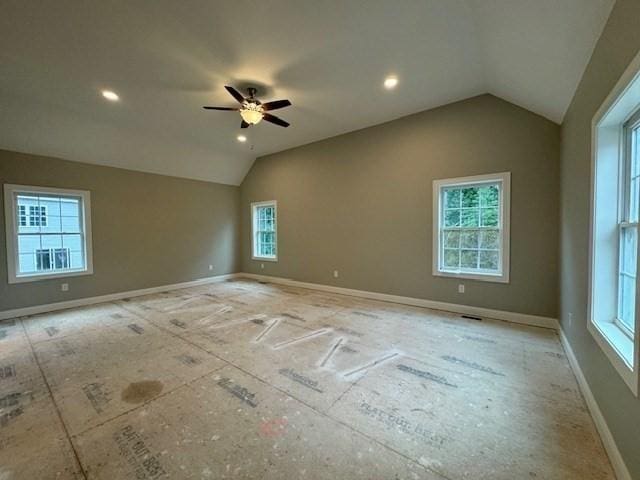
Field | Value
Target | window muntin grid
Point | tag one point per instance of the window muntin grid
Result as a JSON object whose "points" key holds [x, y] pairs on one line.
{"points": [[51, 239], [470, 228], [628, 227]]}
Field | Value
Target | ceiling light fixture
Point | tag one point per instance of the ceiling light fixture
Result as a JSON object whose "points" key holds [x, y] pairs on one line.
{"points": [[242, 138], [251, 112], [390, 82], [111, 96]]}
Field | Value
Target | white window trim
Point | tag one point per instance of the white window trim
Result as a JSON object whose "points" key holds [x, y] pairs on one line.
{"points": [[11, 221], [254, 205], [505, 207], [607, 144]]}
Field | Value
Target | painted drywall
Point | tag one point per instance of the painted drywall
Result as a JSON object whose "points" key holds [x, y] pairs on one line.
{"points": [[148, 230], [619, 43], [361, 203]]}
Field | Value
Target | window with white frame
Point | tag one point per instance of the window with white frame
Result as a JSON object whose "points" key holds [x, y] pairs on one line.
{"points": [[48, 232], [613, 286], [628, 225], [52, 258], [471, 227], [37, 215], [264, 231]]}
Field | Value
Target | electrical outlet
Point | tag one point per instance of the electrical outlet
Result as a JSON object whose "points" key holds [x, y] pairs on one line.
{"points": [[210, 267], [262, 265], [64, 287], [335, 274], [461, 288], [570, 318]]}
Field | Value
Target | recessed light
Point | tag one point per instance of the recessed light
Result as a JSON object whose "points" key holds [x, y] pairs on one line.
{"points": [[390, 82], [242, 138], [111, 96]]}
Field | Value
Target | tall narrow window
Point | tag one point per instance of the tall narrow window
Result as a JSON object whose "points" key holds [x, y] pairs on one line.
{"points": [[471, 231], [48, 232], [615, 199], [264, 230], [628, 226]]}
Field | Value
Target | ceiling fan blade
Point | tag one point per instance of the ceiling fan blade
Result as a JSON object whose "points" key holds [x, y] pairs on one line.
{"points": [[233, 109], [234, 93], [273, 119], [244, 124], [275, 105]]}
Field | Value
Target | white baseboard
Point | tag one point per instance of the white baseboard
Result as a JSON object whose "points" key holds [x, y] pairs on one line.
{"points": [[621, 471], [79, 302], [521, 318]]}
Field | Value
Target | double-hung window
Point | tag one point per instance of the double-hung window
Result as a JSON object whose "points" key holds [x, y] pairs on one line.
{"points": [[628, 225], [613, 284], [48, 232], [264, 231], [471, 231]]}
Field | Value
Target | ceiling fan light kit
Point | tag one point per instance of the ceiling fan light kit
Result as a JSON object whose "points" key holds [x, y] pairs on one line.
{"points": [[251, 113], [252, 110]]}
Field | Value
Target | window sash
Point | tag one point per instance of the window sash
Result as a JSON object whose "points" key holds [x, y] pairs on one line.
{"points": [[479, 228], [628, 214]]}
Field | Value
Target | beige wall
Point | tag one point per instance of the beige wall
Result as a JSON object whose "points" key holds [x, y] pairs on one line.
{"points": [[619, 43], [148, 230], [361, 203]]}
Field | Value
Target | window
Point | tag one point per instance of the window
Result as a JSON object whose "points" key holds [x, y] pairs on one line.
{"points": [[37, 215], [52, 259], [48, 233], [265, 231], [22, 215], [628, 225], [471, 233], [613, 309]]}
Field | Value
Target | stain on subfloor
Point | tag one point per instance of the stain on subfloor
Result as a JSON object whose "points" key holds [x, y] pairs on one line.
{"points": [[139, 392]]}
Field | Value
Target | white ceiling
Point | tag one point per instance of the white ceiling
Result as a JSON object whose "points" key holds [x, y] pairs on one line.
{"points": [[167, 58]]}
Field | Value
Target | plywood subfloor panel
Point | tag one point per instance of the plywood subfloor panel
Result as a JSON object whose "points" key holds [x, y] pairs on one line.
{"points": [[242, 379]]}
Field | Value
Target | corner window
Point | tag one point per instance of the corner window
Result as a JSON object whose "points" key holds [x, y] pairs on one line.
{"points": [[48, 233], [613, 306], [264, 231], [471, 231]]}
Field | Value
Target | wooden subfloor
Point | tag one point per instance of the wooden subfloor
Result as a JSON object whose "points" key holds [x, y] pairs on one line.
{"points": [[244, 380]]}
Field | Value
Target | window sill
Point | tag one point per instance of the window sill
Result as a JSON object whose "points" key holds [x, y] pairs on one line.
{"points": [[618, 348], [49, 276], [484, 277], [265, 259]]}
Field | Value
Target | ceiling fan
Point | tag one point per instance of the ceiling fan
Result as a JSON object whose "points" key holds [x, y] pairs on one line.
{"points": [[252, 110]]}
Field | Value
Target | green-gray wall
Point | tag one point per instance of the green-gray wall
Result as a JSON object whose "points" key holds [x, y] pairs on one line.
{"points": [[618, 44], [361, 203], [148, 230]]}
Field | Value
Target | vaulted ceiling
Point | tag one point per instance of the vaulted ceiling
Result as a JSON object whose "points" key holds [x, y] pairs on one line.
{"points": [[167, 58]]}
